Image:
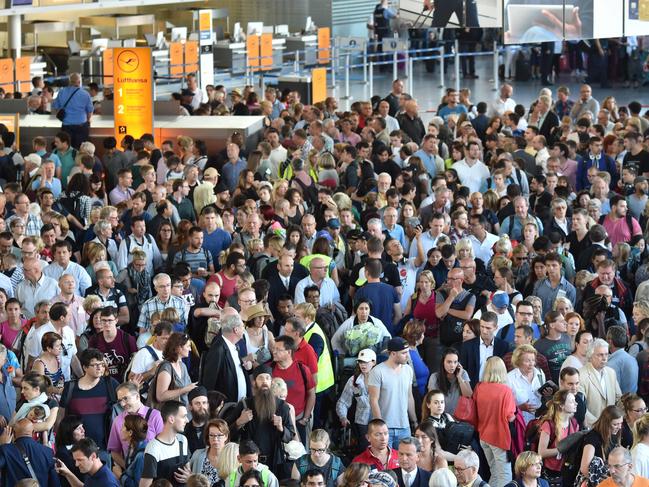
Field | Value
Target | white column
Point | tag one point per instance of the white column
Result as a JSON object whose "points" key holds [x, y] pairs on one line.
{"points": [[15, 35]]}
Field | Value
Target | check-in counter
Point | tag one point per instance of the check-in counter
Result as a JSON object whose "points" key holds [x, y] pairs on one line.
{"points": [[213, 130], [279, 48], [306, 43], [230, 55]]}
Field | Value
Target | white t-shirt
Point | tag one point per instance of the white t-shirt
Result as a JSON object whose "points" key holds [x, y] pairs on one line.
{"points": [[34, 349], [143, 359]]}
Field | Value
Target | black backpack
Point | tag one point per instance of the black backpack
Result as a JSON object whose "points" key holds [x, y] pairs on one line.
{"points": [[309, 193], [450, 328], [111, 403], [8, 170]]}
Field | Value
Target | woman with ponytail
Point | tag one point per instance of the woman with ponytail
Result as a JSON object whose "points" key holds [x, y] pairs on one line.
{"points": [[558, 423]]}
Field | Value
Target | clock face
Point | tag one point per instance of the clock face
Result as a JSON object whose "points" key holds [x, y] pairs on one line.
{"points": [[128, 61]]}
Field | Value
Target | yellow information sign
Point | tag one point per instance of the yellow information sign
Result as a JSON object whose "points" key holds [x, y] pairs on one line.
{"points": [[133, 92], [318, 85], [191, 56]]}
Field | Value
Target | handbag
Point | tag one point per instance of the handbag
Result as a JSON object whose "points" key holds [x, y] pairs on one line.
{"points": [[60, 114], [466, 411]]}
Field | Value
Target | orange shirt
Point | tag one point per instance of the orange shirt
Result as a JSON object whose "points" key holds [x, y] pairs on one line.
{"points": [[495, 405], [637, 482]]}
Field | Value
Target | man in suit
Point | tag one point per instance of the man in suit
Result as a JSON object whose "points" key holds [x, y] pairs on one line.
{"points": [[475, 352], [467, 464], [13, 451], [408, 474], [598, 382], [222, 368], [544, 118], [282, 280]]}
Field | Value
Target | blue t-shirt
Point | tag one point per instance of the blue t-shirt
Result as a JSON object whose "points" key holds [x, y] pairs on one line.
{"points": [[448, 111], [216, 242], [103, 478], [383, 297]]}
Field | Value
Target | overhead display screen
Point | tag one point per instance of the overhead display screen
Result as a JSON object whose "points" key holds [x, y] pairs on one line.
{"points": [[452, 13], [636, 17], [532, 21]]}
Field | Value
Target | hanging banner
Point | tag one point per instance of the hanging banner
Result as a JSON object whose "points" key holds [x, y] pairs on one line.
{"points": [[206, 56], [318, 85], [266, 51], [176, 67], [133, 92], [191, 56], [324, 43], [252, 48], [23, 73], [7, 75]]}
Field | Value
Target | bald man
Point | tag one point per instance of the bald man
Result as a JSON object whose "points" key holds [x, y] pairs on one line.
{"points": [[18, 443], [318, 277], [77, 106]]}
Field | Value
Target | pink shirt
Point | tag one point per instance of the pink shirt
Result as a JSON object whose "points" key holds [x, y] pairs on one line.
{"points": [[115, 442], [618, 230], [9, 335]]}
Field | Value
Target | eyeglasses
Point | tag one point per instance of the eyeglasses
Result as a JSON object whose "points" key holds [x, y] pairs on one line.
{"points": [[216, 436], [640, 410], [318, 450], [97, 365], [616, 467], [458, 469]]}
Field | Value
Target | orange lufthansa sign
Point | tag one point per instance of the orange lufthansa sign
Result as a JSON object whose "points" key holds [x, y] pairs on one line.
{"points": [[252, 48], [7, 74], [23, 72], [266, 51], [324, 43], [176, 59], [133, 92], [108, 66]]}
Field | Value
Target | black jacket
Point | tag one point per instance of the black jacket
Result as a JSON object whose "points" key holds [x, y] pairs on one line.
{"points": [[421, 479], [218, 371], [470, 356], [265, 435]]}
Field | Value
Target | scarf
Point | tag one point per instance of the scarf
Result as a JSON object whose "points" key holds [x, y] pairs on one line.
{"points": [[40, 400], [141, 281]]}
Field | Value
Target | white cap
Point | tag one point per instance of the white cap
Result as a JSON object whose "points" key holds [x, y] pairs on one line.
{"points": [[34, 159], [366, 355]]}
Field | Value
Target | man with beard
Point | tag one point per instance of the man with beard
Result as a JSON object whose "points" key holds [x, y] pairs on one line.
{"points": [[264, 420], [200, 412]]}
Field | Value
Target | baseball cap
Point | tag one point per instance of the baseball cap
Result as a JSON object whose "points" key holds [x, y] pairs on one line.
{"points": [[33, 159], [210, 172], [366, 355], [382, 479], [353, 234], [334, 223], [397, 344], [220, 188], [235, 91], [325, 234], [500, 299]]}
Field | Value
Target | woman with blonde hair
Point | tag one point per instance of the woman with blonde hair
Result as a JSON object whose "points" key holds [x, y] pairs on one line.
{"points": [[319, 458], [186, 148], [491, 200], [205, 461], [203, 196], [537, 307], [228, 460], [528, 469], [640, 450], [563, 305], [496, 408], [530, 234], [280, 187], [525, 380], [327, 174], [94, 252]]}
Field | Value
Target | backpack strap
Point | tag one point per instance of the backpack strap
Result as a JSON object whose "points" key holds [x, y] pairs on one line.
{"points": [[301, 366], [149, 349], [148, 414]]}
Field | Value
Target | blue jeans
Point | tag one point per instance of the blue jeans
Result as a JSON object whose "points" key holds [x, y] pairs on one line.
{"points": [[396, 434]]}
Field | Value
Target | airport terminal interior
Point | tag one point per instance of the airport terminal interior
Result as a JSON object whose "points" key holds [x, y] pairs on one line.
{"points": [[324, 243]]}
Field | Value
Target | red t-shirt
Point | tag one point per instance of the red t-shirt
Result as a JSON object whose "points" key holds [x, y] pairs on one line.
{"points": [[375, 464], [117, 353], [307, 356], [297, 389], [228, 286]]}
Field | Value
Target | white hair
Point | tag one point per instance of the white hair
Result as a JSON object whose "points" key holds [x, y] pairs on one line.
{"points": [[442, 478], [596, 343]]}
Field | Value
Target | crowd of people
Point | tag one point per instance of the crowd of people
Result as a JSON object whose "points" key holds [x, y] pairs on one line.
{"points": [[355, 298]]}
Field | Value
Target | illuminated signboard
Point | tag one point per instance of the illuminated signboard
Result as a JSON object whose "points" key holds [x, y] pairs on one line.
{"points": [[133, 92]]}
